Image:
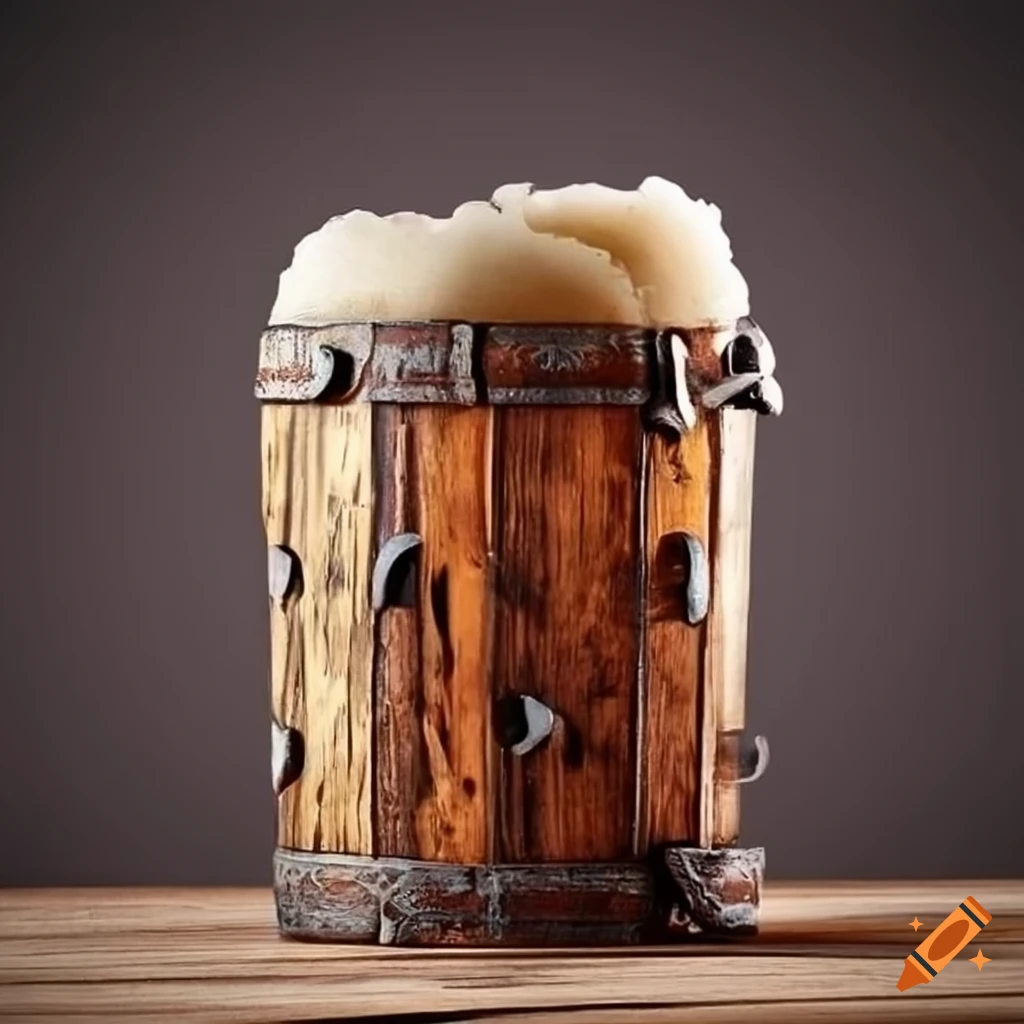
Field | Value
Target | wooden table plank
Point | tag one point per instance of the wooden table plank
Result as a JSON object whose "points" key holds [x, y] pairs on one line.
{"points": [[827, 952]]}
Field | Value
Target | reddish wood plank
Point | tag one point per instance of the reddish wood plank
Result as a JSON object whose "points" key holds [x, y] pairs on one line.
{"points": [[433, 693], [567, 549], [400, 781]]}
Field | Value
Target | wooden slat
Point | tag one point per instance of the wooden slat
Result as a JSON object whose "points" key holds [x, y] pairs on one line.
{"points": [[316, 501], [433, 470], [400, 780], [733, 437], [828, 952], [677, 500], [567, 549]]}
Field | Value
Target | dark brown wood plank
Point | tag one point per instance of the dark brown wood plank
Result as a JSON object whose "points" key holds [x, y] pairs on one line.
{"points": [[432, 467], [677, 500], [400, 781], [566, 625]]}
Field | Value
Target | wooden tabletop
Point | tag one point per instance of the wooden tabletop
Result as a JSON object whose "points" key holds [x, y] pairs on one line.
{"points": [[827, 952]]}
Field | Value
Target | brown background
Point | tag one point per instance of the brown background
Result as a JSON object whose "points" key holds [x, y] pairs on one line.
{"points": [[159, 162]]}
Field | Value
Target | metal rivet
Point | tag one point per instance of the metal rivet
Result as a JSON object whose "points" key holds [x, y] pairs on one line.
{"points": [[523, 723], [287, 756], [698, 585], [686, 410], [392, 568], [728, 388], [282, 571], [764, 398], [753, 760], [680, 578], [540, 720]]}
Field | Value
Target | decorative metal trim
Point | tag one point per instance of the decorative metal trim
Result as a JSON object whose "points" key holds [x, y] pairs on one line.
{"points": [[300, 364], [402, 902], [718, 891], [728, 389], [531, 364], [667, 372], [399, 902], [748, 367], [663, 409], [422, 362]]}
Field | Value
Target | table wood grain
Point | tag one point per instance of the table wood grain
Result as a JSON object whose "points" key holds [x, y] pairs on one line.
{"points": [[827, 952]]}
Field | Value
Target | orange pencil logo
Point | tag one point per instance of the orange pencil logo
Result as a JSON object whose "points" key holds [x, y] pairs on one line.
{"points": [[943, 944]]}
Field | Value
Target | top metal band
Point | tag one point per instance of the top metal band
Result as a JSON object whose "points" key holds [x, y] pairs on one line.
{"points": [[469, 364]]}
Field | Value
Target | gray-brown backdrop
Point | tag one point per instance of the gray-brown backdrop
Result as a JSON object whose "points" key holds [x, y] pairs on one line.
{"points": [[159, 162]]}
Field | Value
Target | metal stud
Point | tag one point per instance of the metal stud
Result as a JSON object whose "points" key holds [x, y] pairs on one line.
{"points": [[753, 760], [287, 756], [540, 720], [282, 571], [389, 572]]}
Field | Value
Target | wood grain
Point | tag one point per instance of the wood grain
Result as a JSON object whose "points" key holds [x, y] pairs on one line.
{"points": [[401, 781], [726, 662], [566, 617], [827, 952], [317, 502], [677, 500], [433, 471]]}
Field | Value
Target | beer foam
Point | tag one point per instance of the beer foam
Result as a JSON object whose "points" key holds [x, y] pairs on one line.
{"points": [[580, 254]]}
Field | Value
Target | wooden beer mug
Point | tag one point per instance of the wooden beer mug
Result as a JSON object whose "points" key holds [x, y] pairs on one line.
{"points": [[509, 573]]}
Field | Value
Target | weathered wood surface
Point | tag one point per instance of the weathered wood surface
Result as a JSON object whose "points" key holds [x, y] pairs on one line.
{"points": [[566, 625], [828, 952], [724, 695], [678, 488], [317, 503], [434, 742]]}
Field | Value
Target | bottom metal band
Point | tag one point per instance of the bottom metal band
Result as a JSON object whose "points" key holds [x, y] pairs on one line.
{"points": [[391, 901]]}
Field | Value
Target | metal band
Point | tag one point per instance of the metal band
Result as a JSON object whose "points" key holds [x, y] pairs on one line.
{"points": [[394, 901], [467, 364]]}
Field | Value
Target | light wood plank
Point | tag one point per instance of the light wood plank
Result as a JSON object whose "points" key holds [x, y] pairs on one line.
{"points": [[433, 681], [727, 626], [317, 502]]}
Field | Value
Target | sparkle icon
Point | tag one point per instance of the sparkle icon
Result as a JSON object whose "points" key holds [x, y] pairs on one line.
{"points": [[915, 924], [980, 960]]}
